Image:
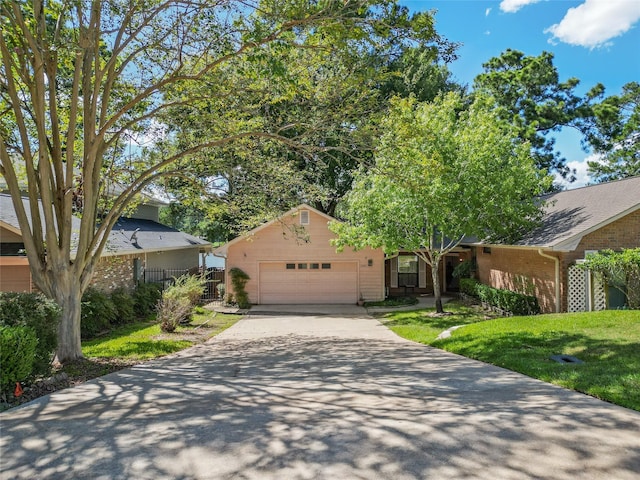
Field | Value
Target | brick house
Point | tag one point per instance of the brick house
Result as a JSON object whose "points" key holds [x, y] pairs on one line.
{"points": [[291, 260], [137, 244], [576, 222]]}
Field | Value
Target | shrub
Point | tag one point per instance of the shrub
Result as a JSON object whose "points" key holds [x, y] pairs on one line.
{"points": [[221, 288], [464, 269], [178, 301], [189, 286], [171, 311], [145, 298], [468, 286], [124, 305], [38, 312], [239, 280], [513, 302], [98, 313], [17, 355]]}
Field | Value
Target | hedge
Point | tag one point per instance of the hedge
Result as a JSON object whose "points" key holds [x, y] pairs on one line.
{"points": [[17, 355], [38, 312], [512, 302]]}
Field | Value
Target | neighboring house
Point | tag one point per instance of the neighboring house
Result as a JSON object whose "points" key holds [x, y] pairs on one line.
{"points": [[136, 244], [291, 260], [576, 222]]}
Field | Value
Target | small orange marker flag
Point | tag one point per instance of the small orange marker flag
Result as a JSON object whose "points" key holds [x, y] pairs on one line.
{"points": [[18, 391]]}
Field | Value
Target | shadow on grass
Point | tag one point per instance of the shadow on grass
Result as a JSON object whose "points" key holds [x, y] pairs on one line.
{"points": [[611, 369], [456, 315], [119, 331], [141, 349]]}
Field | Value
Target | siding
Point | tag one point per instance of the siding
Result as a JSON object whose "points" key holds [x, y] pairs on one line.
{"points": [[279, 242]]}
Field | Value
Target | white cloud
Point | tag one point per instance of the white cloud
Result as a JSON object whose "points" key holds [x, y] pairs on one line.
{"points": [[594, 22], [487, 12], [512, 6], [487, 32], [582, 176]]}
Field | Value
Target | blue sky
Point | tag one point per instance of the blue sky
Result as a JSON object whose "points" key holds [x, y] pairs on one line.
{"points": [[596, 41]]}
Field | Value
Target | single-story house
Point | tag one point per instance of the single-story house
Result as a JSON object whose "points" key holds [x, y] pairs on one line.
{"points": [[575, 223], [136, 245], [291, 260]]}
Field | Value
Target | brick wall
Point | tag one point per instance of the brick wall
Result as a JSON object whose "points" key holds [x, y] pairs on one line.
{"points": [[623, 233], [512, 268], [519, 270], [115, 271]]}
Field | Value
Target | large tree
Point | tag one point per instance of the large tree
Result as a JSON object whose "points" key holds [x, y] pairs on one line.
{"points": [[441, 173], [532, 97], [79, 79], [615, 135], [331, 94]]}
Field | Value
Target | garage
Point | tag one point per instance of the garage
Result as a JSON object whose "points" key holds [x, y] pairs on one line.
{"points": [[304, 282]]}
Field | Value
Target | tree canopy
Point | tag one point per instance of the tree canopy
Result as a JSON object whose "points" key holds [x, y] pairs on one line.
{"points": [[80, 81], [615, 135], [532, 98], [442, 172]]}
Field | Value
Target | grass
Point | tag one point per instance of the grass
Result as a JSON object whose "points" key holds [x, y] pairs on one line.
{"points": [[607, 342], [144, 340]]}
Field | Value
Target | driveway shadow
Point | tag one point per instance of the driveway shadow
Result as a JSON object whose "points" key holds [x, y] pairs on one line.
{"points": [[296, 407]]}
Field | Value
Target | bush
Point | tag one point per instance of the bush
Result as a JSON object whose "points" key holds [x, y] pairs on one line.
{"points": [[38, 312], [17, 355], [513, 302], [124, 305], [98, 313], [464, 269], [239, 280], [145, 298], [172, 311], [221, 288], [468, 286], [178, 301]]}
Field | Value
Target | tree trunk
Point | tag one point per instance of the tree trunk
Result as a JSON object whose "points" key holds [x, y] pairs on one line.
{"points": [[435, 277], [67, 293]]}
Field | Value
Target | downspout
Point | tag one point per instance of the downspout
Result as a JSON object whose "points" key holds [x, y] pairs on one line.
{"points": [[556, 260]]}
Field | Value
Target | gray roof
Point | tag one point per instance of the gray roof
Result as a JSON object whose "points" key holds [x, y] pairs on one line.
{"points": [[572, 214], [150, 237]]}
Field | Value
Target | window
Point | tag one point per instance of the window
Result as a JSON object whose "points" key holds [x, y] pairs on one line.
{"points": [[407, 271], [291, 266], [304, 217], [407, 264], [486, 250], [314, 266], [326, 266], [302, 266]]}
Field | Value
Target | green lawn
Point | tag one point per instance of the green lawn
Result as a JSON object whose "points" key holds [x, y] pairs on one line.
{"points": [[608, 342], [144, 340]]}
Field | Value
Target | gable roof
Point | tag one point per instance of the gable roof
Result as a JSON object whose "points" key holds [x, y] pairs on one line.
{"points": [[571, 214], [221, 251], [150, 237]]}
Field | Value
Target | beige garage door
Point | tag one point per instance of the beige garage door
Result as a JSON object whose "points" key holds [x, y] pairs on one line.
{"points": [[308, 282]]}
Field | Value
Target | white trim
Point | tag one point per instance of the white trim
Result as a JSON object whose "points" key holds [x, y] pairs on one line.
{"points": [[393, 272], [11, 228], [422, 273]]}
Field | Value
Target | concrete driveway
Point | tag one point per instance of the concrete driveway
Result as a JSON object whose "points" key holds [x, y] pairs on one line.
{"points": [[318, 397]]}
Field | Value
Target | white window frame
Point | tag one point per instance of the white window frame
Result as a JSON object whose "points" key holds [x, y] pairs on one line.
{"points": [[304, 217]]}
